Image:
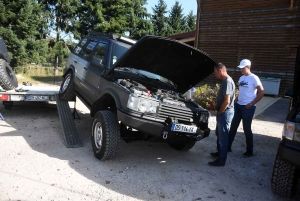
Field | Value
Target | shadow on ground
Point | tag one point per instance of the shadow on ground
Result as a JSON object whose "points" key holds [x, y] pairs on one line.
{"points": [[154, 171]]}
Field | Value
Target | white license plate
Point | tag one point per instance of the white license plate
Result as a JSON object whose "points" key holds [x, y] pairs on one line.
{"points": [[37, 98], [183, 128]]}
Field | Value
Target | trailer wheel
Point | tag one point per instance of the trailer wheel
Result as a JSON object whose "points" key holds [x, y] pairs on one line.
{"points": [[8, 79], [182, 146], [105, 135], [284, 179], [66, 91]]}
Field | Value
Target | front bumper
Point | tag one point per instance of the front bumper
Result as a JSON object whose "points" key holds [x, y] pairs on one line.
{"points": [[162, 130], [289, 153]]}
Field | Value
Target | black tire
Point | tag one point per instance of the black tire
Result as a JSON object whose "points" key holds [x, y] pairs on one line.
{"points": [[8, 79], [105, 135], [66, 91], [182, 146], [284, 180]]}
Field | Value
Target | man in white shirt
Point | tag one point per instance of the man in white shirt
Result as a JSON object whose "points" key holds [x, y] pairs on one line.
{"points": [[250, 92]]}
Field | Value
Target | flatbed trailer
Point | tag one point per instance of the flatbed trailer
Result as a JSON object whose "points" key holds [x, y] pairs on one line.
{"points": [[45, 94], [28, 93]]}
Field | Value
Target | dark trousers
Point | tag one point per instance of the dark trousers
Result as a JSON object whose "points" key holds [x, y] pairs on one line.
{"points": [[241, 113], [222, 129]]}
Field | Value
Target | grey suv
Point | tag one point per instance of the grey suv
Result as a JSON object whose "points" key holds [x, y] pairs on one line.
{"points": [[134, 90], [286, 172]]}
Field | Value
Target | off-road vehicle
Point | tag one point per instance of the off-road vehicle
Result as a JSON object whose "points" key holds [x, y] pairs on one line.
{"points": [[134, 90], [8, 79], [286, 172]]}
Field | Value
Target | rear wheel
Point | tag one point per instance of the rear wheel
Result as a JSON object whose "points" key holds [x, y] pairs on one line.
{"points": [[182, 146], [66, 91], [284, 178], [8, 79], [105, 135]]}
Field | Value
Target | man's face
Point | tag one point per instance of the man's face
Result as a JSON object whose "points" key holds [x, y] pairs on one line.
{"points": [[217, 72], [244, 70]]}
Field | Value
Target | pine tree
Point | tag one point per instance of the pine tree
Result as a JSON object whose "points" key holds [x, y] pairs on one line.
{"points": [[22, 29], [159, 20], [60, 15], [176, 19], [191, 21], [139, 24]]}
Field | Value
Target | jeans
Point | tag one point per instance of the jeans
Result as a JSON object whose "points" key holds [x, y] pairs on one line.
{"points": [[222, 129], [241, 113]]}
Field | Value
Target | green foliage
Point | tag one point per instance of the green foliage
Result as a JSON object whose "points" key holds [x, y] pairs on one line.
{"points": [[159, 19], [34, 73], [32, 29], [176, 20], [191, 21], [139, 24], [206, 96]]}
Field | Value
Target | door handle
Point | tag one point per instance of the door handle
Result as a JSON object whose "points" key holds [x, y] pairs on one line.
{"points": [[75, 61], [85, 68]]}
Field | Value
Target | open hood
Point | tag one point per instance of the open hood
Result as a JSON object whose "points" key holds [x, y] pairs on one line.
{"points": [[296, 88], [171, 59]]}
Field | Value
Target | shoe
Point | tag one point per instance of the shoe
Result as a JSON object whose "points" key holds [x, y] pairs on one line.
{"points": [[216, 163], [215, 154], [247, 154]]}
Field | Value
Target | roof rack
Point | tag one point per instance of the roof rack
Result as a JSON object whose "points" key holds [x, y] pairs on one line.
{"points": [[121, 38], [112, 36], [95, 33]]}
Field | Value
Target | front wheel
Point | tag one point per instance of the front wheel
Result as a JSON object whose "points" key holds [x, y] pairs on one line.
{"points": [[284, 179], [105, 135], [66, 91], [182, 146]]}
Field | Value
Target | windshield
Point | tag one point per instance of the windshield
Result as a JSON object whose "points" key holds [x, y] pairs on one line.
{"points": [[118, 50]]}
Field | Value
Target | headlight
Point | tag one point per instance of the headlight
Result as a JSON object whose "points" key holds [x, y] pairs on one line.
{"points": [[142, 104], [288, 130], [204, 117]]}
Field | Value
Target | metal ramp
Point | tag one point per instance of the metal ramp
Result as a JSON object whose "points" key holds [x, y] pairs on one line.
{"points": [[71, 135]]}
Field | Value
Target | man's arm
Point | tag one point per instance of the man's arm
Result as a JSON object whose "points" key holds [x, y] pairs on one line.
{"points": [[224, 104], [260, 94]]}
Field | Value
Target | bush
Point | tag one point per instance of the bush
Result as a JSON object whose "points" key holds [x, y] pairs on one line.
{"points": [[206, 96]]}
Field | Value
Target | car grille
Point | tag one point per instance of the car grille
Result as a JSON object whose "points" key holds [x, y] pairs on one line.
{"points": [[180, 113]]}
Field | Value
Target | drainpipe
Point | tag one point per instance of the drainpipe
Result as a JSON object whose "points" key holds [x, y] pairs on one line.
{"points": [[197, 24]]}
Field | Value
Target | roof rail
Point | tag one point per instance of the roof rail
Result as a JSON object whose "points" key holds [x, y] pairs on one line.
{"points": [[95, 33], [121, 38]]}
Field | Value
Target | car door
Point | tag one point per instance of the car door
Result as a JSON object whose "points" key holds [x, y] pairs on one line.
{"points": [[83, 62], [78, 63], [95, 70]]}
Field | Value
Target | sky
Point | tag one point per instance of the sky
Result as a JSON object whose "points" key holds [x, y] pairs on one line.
{"points": [[187, 5]]}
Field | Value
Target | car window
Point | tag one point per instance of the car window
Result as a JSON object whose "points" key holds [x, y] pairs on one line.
{"points": [[79, 46], [100, 52], [118, 51], [87, 51]]}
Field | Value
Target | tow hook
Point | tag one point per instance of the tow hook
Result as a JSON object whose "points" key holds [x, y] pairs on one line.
{"points": [[198, 137], [165, 135]]}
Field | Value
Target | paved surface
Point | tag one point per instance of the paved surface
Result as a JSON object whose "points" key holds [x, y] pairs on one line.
{"points": [[265, 103]]}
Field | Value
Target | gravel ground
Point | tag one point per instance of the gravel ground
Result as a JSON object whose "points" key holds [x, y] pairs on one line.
{"points": [[36, 165]]}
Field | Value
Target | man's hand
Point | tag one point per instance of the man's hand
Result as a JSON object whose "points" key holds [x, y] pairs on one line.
{"points": [[250, 105]]}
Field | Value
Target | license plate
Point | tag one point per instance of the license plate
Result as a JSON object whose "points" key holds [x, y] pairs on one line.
{"points": [[37, 98], [184, 128]]}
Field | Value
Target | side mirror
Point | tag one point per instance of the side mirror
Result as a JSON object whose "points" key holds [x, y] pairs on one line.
{"points": [[96, 62], [288, 92]]}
